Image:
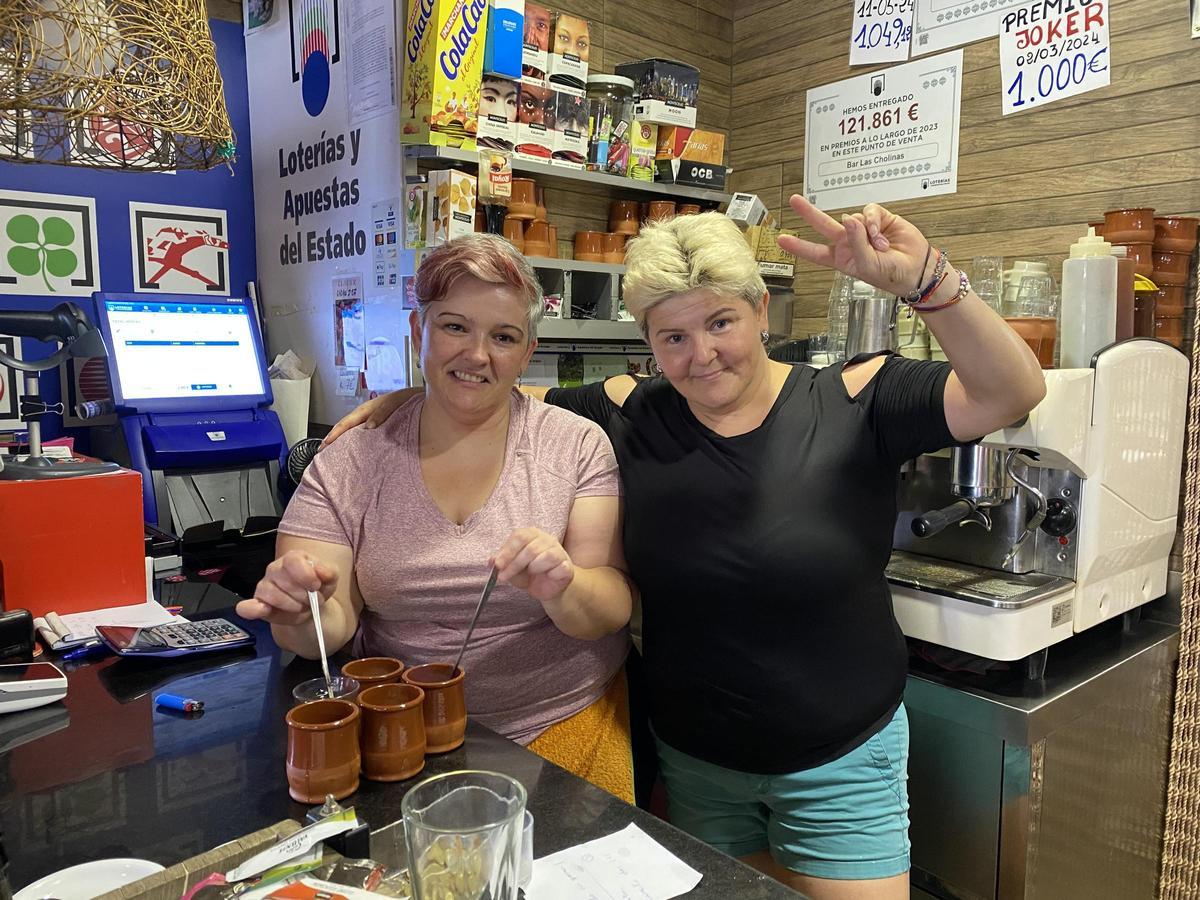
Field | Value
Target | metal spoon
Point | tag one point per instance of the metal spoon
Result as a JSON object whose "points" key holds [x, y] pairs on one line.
{"points": [[487, 592], [314, 604]]}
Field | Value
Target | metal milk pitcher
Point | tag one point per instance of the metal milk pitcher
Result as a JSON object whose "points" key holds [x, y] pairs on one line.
{"points": [[871, 325]]}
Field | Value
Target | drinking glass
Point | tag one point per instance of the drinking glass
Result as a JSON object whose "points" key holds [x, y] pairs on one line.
{"points": [[464, 836], [987, 276]]}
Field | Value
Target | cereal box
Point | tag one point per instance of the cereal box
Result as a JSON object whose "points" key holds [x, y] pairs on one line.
{"points": [[443, 46], [450, 206]]}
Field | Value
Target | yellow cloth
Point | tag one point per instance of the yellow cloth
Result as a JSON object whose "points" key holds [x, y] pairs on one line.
{"points": [[594, 743]]}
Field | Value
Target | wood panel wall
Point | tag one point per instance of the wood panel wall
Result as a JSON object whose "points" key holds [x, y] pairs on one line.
{"points": [[1028, 183]]}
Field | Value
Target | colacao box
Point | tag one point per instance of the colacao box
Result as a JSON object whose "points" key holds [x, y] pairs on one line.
{"points": [[443, 48], [449, 206], [571, 48], [664, 91], [535, 46], [505, 38], [690, 156]]}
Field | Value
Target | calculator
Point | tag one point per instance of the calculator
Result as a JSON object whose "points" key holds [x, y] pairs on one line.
{"points": [[174, 639]]}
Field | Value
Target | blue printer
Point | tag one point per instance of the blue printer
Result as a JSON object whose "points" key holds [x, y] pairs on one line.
{"points": [[190, 386]]}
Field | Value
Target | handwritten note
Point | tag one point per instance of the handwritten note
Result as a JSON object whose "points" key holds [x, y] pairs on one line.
{"points": [[625, 865], [1048, 55], [881, 32]]}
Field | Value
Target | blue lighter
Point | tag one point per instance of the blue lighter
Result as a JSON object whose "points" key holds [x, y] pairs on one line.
{"points": [[171, 701]]}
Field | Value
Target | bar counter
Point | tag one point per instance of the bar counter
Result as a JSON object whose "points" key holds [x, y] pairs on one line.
{"points": [[106, 774]]}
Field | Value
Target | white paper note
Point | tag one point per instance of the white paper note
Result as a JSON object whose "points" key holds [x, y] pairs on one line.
{"points": [[1047, 55], [625, 865], [140, 615], [881, 31], [883, 136], [939, 24]]}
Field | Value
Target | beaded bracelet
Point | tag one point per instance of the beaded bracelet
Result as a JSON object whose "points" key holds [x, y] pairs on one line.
{"points": [[921, 294], [964, 288]]}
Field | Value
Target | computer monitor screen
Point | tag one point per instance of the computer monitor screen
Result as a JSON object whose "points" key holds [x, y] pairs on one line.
{"points": [[178, 350]]}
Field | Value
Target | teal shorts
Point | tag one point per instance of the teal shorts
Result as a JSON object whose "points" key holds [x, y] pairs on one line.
{"points": [[846, 819]]}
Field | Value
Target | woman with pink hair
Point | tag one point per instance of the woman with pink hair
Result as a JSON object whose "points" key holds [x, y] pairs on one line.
{"points": [[396, 528]]}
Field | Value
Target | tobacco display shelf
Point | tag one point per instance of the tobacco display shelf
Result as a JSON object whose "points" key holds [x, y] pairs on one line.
{"points": [[448, 156]]}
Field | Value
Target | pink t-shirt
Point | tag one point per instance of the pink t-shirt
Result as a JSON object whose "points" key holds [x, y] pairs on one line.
{"points": [[420, 575]]}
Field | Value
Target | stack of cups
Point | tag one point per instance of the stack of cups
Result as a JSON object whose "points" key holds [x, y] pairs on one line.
{"points": [[913, 338], [839, 314], [1174, 242], [987, 278]]}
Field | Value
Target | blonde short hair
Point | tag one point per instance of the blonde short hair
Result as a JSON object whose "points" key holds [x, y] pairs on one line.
{"points": [[684, 254]]}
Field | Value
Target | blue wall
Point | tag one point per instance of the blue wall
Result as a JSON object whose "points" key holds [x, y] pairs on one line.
{"points": [[113, 190]]}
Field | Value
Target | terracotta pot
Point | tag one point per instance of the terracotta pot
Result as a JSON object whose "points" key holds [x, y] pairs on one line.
{"points": [[445, 706], [689, 209], [553, 241], [372, 670], [1176, 233], [1040, 333], [539, 213], [480, 219], [1142, 255], [614, 247], [393, 731], [514, 231], [623, 216], [1169, 328], [537, 239], [1169, 300], [1098, 227], [589, 246], [1170, 267], [523, 204], [323, 756], [1129, 225], [660, 211]]}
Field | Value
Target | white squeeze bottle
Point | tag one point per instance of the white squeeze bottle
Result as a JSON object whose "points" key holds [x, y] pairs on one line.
{"points": [[1089, 301]]}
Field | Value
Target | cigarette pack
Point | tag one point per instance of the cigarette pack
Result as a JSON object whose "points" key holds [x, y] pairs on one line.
{"points": [[503, 49]]}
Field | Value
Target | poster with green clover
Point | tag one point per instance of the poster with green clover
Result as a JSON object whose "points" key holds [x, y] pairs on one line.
{"points": [[48, 245]]}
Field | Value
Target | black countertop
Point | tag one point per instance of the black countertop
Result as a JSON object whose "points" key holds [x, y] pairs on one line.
{"points": [[105, 774]]}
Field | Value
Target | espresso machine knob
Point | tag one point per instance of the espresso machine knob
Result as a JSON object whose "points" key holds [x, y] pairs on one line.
{"points": [[1060, 518]]}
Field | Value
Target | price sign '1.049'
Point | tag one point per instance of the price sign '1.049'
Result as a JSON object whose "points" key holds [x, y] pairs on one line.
{"points": [[1051, 50], [881, 32]]}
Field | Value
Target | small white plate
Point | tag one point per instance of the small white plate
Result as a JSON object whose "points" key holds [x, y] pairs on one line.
{"points": [[89, 879]]}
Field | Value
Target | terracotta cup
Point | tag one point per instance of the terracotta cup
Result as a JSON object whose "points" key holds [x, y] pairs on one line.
{"points": [[539, 212], [537, 239], [323, 756], [614, 247], [1129, 225], [445, 705], [1098, 226], [514, 231], [393, 731], [372, 670], [1169, 329], [660, 210], [1142, 254], [589, 246], [623, 216], [523, 204], [1176, 233], [1170, 267], [553, 229], [689, 209], [1169, 301], [480, 219]]}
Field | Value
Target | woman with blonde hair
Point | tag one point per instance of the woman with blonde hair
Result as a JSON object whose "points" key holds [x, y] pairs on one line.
{"points": [[760, 506], [396, 528]]}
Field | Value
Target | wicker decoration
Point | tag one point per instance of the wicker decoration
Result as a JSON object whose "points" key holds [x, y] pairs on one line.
{"points": [[128, 84], [1180, 878]]}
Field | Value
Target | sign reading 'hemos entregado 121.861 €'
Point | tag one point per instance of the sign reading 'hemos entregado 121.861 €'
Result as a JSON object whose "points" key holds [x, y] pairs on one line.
{"points": [[1051, 50], [884, 136]]}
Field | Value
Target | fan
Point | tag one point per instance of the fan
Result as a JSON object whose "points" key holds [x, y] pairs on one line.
{"points": [[299, 457]]}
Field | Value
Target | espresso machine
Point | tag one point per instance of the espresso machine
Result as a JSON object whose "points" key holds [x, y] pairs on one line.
{"points": [[1041, 530]]}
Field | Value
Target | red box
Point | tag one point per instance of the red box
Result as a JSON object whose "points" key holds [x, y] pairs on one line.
{"points": [[72, 544]]}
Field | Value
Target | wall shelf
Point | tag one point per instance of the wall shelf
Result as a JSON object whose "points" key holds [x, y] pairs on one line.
{"points": [[575, 265], [588, 330], [448, 156]]}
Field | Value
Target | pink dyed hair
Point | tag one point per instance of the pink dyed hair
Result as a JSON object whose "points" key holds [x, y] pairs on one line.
{"points": [[487, 257]]}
